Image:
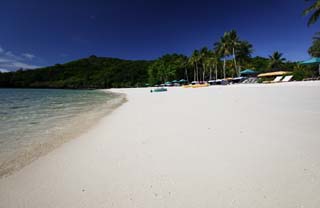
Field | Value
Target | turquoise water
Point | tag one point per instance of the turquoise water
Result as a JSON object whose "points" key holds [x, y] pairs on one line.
{"points": [[34, 121]]}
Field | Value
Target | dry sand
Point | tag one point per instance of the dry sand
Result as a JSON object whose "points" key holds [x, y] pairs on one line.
{"points": [[243, 146]]}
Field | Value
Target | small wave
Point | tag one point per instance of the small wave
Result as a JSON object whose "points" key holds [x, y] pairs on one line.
{"points": [[39, 129]]}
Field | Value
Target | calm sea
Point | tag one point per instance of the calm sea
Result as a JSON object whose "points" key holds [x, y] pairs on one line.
{"points": [[35, 121]]}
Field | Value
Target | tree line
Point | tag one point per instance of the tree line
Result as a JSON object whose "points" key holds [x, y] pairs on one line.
{"points": [[223, 60], [226, 58]]}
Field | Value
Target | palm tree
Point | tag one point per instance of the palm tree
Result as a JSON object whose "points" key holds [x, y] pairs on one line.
{"points": [[194, 60], [185, 66], [208, 64], [211, 62], [234, 44], [244, 52], [231, 45], [315, 10], [223, 49], [214, 62], [276, 60], [314, 49], [191, 62], [204, 55]]}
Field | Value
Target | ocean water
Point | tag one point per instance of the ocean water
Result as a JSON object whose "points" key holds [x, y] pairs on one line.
{"points": [[35, 121]]}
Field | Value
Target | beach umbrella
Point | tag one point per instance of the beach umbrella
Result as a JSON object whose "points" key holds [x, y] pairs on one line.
{"points": [[174, 81], [247, 72], [168, 83], [182, 80], [314, 60]]}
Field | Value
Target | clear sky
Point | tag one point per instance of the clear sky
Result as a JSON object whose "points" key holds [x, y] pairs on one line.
{"points": [[45, 32]]}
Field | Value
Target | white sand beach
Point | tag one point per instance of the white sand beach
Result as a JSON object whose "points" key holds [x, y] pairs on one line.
{"points": [[243, 146]]}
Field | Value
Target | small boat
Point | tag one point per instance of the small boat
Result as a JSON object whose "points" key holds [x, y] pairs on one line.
{"points": [[196, 84], [200, 85], [162, 89], [187, 86]]}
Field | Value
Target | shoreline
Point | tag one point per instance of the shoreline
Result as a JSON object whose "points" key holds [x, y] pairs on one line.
{"points": [[90, 119], [230, 146]]}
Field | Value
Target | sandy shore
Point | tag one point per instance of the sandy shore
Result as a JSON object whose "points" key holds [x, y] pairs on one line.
{"points": [[244, 146]]}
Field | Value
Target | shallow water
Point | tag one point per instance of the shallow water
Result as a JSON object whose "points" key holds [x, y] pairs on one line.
{"points": [[34, 121]]}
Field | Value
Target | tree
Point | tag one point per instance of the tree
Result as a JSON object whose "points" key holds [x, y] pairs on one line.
{"points": [[314, 50], [84, 73], [166, 68], [234, 44], [276, 60], [258, 63], [230, 44], [223, 49], [212, 63], [244, 52], [194, 60], [204, 56], [315, 10], [216, 61], [301, 72]]}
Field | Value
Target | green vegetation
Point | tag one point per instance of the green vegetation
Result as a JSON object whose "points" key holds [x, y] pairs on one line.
{"points": [[231, 45], [227, 58], [276, 61], [167, 67], [314, 50], [92, 72], [239, 50], [301, 72]]}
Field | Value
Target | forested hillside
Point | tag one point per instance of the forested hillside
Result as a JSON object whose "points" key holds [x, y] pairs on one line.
{"points": [[93, 72]]}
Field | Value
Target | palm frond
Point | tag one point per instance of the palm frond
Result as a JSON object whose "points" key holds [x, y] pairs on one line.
{"points": [[309, 9], [314, 17], [315, 8]]}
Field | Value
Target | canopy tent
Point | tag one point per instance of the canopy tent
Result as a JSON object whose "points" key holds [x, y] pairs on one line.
{"points": [[248, 72], [273, 74], [314, 60]]}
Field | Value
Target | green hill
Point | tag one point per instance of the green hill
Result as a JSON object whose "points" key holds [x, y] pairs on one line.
{"points": [[93, 72]]}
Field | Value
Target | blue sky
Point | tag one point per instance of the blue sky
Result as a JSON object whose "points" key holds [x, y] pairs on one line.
{"points": [[41, 33]]}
